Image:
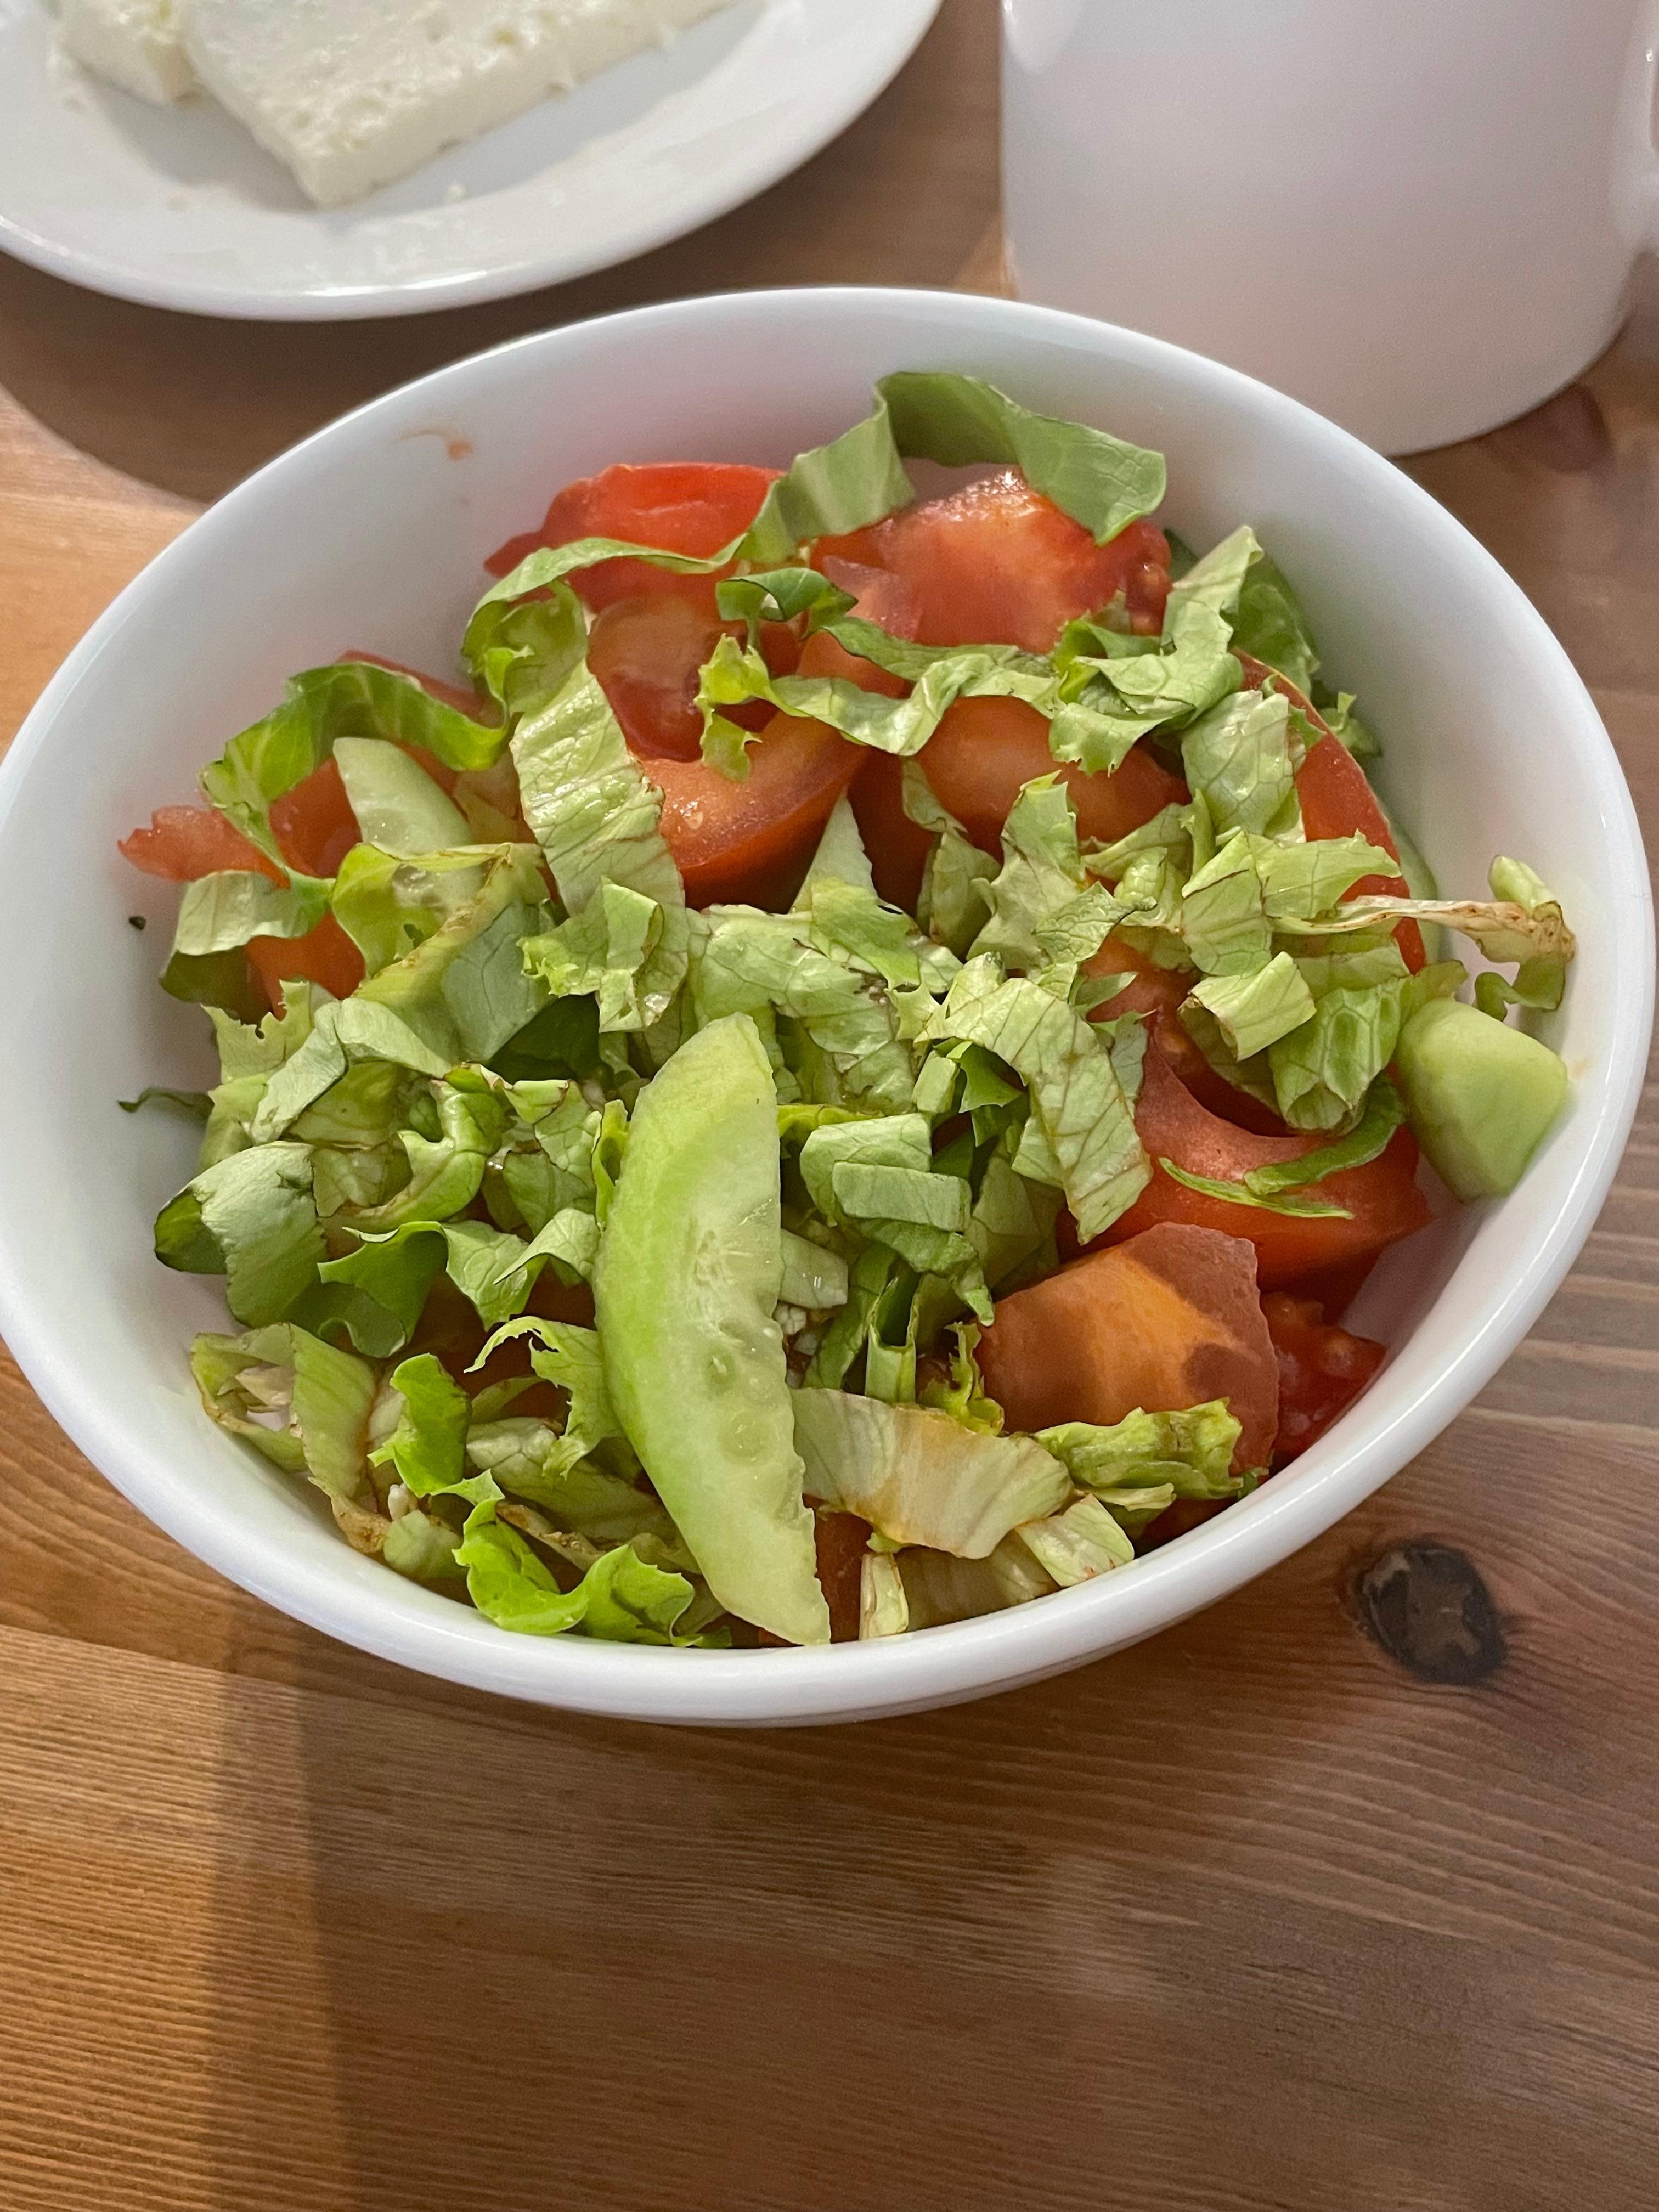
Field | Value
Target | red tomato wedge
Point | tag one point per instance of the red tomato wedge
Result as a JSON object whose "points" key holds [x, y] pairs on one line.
{"points": [[1321, 1370], [683, 507], [183, 842], [647, 654], [897, 846], [325, 956], [314, 822], [997, 563], [752, 840], [1383, 1199], [1168, 1320], [985, 749], [1338, 801]]}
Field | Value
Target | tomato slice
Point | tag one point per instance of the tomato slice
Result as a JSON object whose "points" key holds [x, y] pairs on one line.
{"points": [[752, 840], [647, 656], [1383, 1199], [985, 749], [325, 956], [313, 823], [183, 842], [997, 563], [1321, 1370], [684, 507], [1168, 1320]]}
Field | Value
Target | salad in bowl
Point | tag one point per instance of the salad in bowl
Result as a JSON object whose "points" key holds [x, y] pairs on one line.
{"points": [[845, 1078]]}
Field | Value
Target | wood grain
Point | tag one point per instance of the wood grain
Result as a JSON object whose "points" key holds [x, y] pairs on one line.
{"points": [[1252, 1917]]}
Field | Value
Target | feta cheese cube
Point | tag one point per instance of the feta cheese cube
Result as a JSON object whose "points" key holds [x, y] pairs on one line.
{"points": [[353, 94], [136, 44]]}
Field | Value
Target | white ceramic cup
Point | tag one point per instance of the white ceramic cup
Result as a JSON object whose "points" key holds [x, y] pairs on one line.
{"points": [[1420, 217]]}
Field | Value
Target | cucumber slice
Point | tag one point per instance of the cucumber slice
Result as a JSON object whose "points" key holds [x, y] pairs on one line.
{"points": [[690, 1269]]}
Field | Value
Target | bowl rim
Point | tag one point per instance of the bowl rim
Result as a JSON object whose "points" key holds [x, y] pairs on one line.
{"points": [[1000, 1651]]}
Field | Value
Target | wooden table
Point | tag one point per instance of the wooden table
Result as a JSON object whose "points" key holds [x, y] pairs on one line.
{"points": [[1269, 1912]]}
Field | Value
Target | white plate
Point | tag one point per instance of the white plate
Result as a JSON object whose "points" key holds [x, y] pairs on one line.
{"points": [[178, 208]]}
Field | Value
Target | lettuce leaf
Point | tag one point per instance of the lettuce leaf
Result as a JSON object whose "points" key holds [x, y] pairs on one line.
{"points": [[1112, 698], [1098, 480], [568, 1355], [301, 1402], [1542, 976], [745, 961], [427, 1447], [939, 675], [1043, 908], [596, 819], [463, 989], [222, 911], [1270, 625], [602, 951], [1506, 930], [1240, 760], [814, 1277], [397, 806], [878, 1178], [250, 1218], [1079, 1543], [1255, 1010], [1323, 1070], [377, 1293], [845, 1338], [1192, 1450], [444, 1171], [939, 1589], [351, 698], [1080, 1119], [919, 1476], [884, 1609], [1222, 913], [622, 1598]]}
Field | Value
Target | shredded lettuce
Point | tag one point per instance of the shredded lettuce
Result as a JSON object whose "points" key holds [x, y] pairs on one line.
{"points": [[1081, 1134], [351, 698], [1253, 1011], [301, 1402], [596, 819], [1098, 480], [253, 1219], [1270, 625], [919, 1476], [1240, 759], [1190, 1452], [219, 912], [397, 806], [622, 1598], [1076, 1543], [939, 1589]]}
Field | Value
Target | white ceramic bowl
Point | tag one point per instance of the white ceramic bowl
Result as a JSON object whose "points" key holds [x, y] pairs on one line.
{"points": [[370, 534]]}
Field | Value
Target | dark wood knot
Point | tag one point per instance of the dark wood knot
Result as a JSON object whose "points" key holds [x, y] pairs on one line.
{"points": [[1427, 1606]]}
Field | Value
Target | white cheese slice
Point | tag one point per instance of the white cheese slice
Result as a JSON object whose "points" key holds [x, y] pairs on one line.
{"points": [[136, 44], [353, 94]]}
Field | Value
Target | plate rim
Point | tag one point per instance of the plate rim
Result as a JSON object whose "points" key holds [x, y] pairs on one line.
{"points": [[907, 23]]}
